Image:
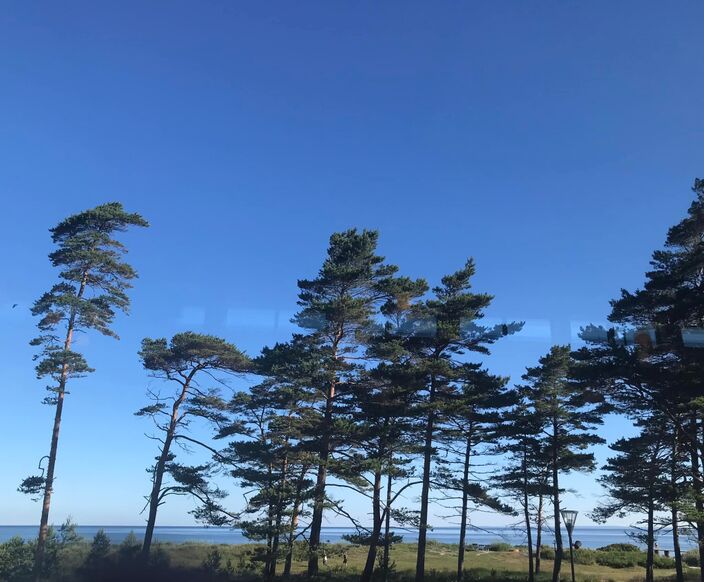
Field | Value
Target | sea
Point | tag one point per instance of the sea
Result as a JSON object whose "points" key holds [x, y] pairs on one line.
{"points": [[589, 536]]}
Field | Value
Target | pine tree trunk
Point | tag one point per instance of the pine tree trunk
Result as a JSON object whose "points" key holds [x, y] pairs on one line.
{"points": [[425, 490], [679, 576], [279, 516], [321, 479], [649, 559], [465, 503], [269, 523], [294, 523], [538, 533], [556, 505], [49, 483], [376, 528], [698, 492], [526, 515], [160, 468], [387, 524]]}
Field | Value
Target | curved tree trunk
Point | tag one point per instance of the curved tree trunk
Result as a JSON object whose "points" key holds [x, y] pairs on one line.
{"points": [[155, 497]]}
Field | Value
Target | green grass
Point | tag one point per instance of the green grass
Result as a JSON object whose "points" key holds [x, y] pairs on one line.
{"points": [[441, 563], [184, 562]]}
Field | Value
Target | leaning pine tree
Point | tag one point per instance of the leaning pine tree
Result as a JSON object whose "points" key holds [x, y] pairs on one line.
{"points": [[183, 362], [93, 286]]}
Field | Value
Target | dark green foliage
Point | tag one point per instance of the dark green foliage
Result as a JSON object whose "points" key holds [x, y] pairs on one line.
{"points": [[500, 547], [440, 333], [128, 549], [619, 548], [99, 549], [566, 413], [212, 562], [337, 311], [94, 284], [16, 559]]}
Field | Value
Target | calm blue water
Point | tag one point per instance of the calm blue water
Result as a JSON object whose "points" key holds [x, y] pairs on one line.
{"points": [[590, 536]]}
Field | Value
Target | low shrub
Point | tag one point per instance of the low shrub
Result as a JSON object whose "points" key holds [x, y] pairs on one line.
{"points": [[691, 558], [619, 548], [16, 559], [500, 547]]}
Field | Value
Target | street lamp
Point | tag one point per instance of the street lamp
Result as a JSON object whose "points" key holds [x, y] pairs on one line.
{"points": [[569, 517]]}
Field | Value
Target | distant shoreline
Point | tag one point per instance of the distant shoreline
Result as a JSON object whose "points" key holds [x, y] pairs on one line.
{"points": [[589, 536]]}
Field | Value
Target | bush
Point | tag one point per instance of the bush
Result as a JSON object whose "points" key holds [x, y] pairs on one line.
{"points": [[619, 548], [547, 553], [691, 558], [615, 559], [500, 547], [212, 562], [99, 549], [16, 559]]}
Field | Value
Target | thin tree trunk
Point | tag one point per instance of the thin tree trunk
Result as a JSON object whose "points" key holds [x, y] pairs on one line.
{"points": [[294, 521], [155, 497], [376, 528], [321, 479], [649, 559], [269, 524], [49, 483], [556, 505], [387, 523], [425, 490], [679, 572], [538, 532], [465, 503], [319, 496], [279, 515], [526, 515], [699, 501]]}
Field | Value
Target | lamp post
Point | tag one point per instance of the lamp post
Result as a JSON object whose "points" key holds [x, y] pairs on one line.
{"points": [[569, 517]]}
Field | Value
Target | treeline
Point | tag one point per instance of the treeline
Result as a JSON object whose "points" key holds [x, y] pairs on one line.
{"points": [[382, 391]]}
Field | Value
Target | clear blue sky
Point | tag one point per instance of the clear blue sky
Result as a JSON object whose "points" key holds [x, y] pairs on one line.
{"points": [[555, 142]]}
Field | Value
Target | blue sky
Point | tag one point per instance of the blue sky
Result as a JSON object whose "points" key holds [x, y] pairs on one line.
{"points": [[554, 142]]}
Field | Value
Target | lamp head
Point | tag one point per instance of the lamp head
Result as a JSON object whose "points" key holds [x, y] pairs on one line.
{"points": [[570, 517]]}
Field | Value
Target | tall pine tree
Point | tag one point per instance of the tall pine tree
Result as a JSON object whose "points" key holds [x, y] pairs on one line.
{"points": [[93, 285], [336, 311]]}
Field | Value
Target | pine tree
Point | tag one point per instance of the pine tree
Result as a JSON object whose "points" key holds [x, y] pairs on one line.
{"points": [[182, 362], [336, 309], [568, 413], [651, 362], [271, 458], [523, 478], [472, 419], [99, 550], [636, 480], [381, 412], [444, 328], [93, 286]]}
